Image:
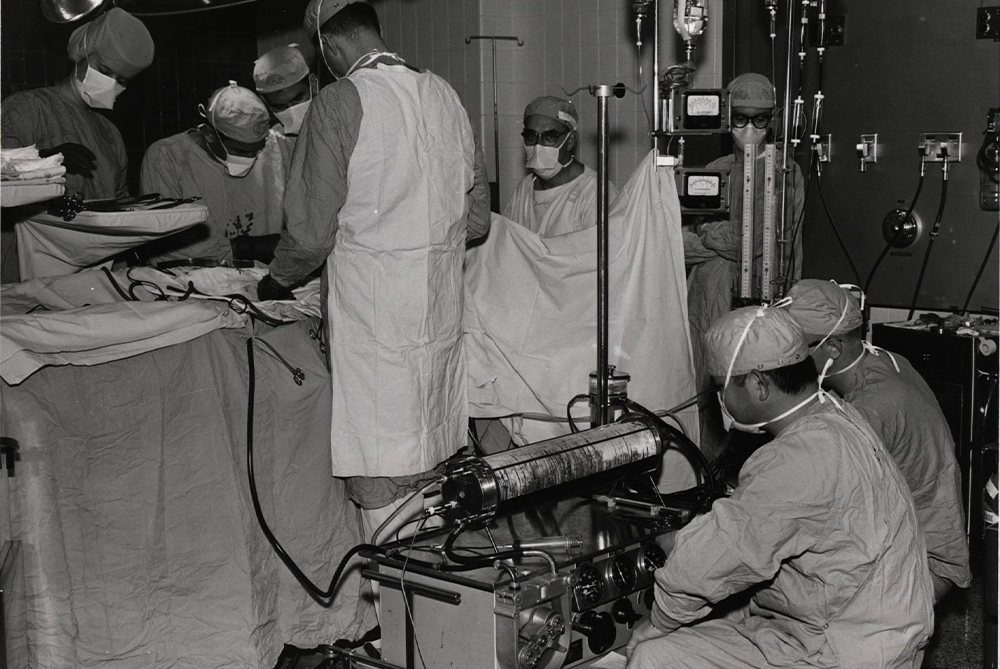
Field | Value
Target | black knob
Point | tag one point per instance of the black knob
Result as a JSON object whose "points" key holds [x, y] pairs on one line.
{"points": [[602, 631], [624, 614]]}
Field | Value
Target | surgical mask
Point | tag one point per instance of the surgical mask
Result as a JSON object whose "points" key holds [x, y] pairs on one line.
{"points": [[239, 166], [729, 422], [291, 118], [757, 428], [544, 160], [99, 90]]}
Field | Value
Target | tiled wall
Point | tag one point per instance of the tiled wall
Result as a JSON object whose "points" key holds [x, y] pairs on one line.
{"points": [[426, 33], [566, 43], [195, 54]]}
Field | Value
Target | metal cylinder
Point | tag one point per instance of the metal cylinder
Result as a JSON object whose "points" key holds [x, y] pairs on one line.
{"points": [[479, 486]]}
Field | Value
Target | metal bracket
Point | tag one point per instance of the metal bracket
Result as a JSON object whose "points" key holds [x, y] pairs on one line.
{"points": [[11, 451]]}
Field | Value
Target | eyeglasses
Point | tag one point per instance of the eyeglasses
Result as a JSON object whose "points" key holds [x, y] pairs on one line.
{"points": [[760, 121], [547, 138]]}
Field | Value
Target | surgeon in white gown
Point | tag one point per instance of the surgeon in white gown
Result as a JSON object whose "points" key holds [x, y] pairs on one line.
{"points": [[559, 195]]}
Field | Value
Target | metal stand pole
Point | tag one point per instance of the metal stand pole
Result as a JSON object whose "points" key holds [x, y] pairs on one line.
{"points": [[785, 124], [602, 93], [496, 112]]}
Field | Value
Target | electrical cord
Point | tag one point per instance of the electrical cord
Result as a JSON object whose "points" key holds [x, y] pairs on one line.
{"points": [[930, 244], [899, 231], [406, 599], [982, 268], [836, 230], [322, 597]]}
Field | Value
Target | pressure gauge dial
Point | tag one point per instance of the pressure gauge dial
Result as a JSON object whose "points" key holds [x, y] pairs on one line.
{"points": [[589, 587], [622, 574]]}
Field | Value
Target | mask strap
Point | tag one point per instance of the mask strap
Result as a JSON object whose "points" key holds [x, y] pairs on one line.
{"points": [[319, 34]]}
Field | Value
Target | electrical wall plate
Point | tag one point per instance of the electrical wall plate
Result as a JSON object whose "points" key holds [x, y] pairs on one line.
{"points": [[988, 23], [935, 145], [869, 140], [822, 148]]}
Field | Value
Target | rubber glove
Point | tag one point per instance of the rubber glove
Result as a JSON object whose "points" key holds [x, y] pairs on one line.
{"points": [[77, 159], [269, 289]]}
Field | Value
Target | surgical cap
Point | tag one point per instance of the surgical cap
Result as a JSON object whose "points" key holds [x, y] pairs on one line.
{"points": [[773, 339], [121, 40], [752, 91], [319, 12], [554, 108], [279, 68], [238, 113], [818, 305]]}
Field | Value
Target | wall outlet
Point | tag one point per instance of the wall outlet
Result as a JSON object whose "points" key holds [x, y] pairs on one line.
{"points": [[936, 145], [988, 23], [822, 148]]}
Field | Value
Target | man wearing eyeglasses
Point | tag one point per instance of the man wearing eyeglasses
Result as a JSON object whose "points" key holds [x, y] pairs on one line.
{"points": [[560, 193], [712, 250]]}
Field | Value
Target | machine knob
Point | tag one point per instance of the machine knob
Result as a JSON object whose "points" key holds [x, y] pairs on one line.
{"points": [[599, 628], [624, 614]]}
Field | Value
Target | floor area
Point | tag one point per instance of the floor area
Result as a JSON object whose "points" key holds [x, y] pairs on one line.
{"points": [[958, 641]]}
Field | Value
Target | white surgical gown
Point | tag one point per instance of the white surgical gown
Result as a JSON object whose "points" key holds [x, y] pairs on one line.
{"points": [[556, 211], [823, 530], [903, 411], [380, 189], [177, 166]]}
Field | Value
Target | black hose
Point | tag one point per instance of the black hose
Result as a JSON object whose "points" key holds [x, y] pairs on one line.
{"points": [[323, 597], [684, 444], [930, 245], [979, 274], [888, 245], [836, 231], [569, 408], [118, 288]]}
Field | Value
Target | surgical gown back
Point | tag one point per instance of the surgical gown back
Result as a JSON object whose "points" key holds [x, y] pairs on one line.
{"points": [[903, 411], [823, 534]]}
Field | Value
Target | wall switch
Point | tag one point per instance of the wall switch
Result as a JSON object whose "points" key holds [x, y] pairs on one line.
{"points": [[935, 146]]}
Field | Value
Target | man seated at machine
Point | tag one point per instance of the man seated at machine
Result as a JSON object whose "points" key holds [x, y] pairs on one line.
{"points": [[282, 79], [237, 166], [902, 409], [820, 533], [560, 193]]}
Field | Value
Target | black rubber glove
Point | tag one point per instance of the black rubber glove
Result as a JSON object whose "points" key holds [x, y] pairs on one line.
{"points": [[269, 289], [254, 248], [77, 159]]}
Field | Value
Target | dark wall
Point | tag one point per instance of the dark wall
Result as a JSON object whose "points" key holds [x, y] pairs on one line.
{"points": [[906, 67], [195, 54]]}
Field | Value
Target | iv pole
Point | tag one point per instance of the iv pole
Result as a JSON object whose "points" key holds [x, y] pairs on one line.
{"points": [[602, 93], [496, 114]]}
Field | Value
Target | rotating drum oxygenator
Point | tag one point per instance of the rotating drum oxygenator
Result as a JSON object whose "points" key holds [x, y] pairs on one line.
{"points": [[477, 487]]}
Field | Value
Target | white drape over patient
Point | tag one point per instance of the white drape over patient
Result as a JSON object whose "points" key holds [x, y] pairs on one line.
{"points": [[531, 315]]}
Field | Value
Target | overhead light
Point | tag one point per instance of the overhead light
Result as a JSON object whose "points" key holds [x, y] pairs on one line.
{"points": [[67, 11]]}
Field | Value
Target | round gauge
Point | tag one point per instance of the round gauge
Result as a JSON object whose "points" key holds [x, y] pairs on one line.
{"points": [[652, 559], [589, 586], [622, 574]]}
